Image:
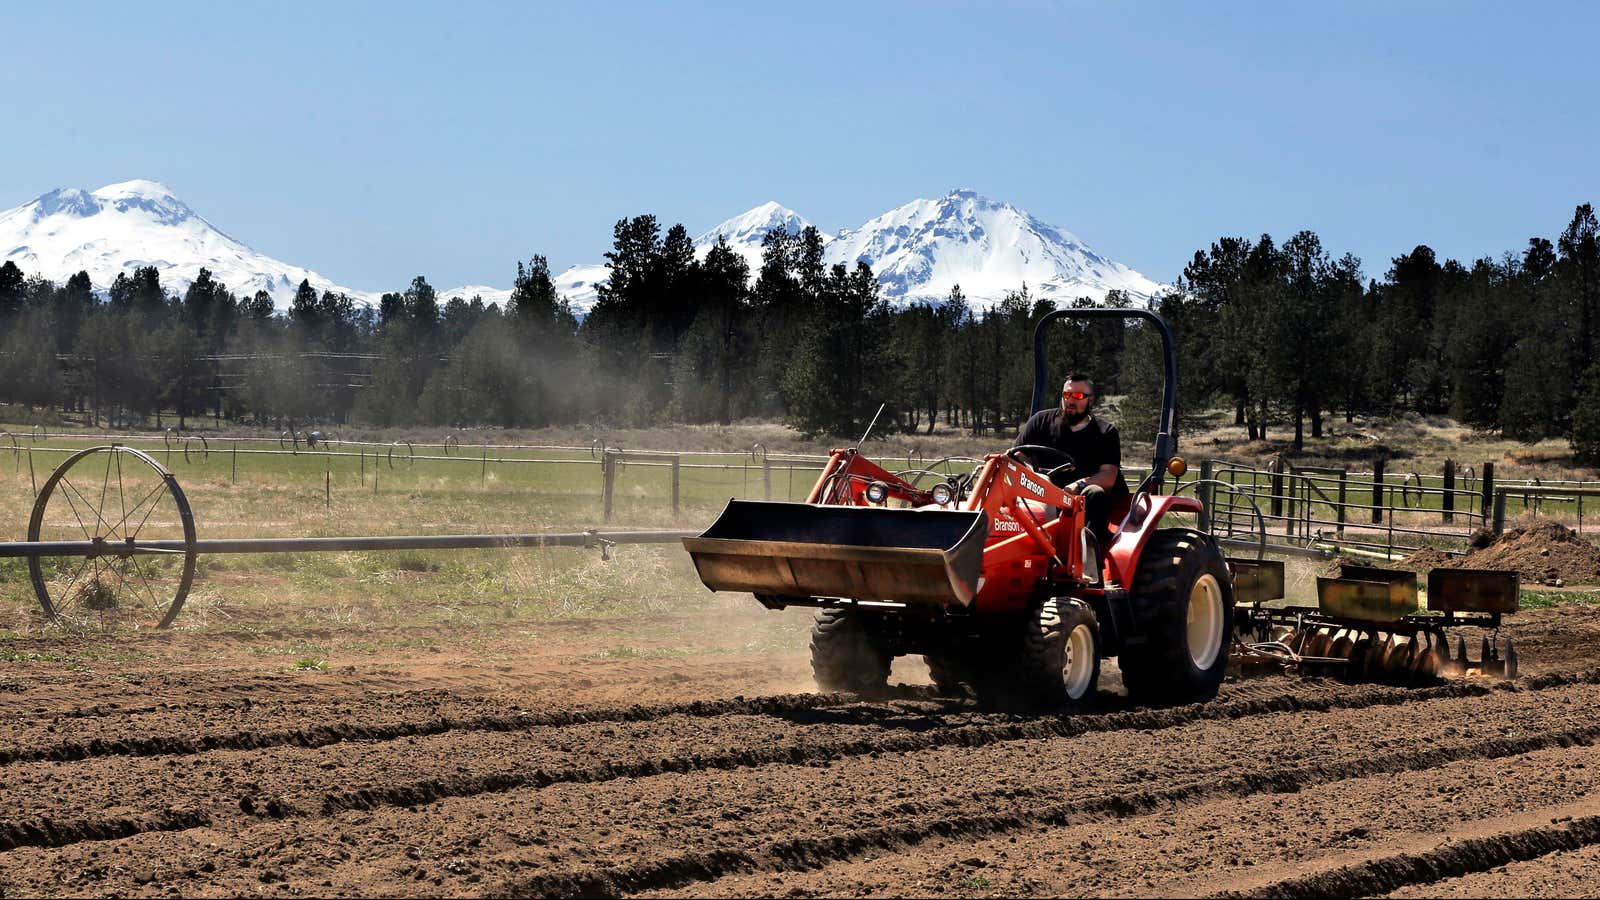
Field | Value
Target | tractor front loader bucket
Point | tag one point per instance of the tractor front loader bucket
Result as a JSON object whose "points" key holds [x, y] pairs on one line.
{"points": [[802, 551]]}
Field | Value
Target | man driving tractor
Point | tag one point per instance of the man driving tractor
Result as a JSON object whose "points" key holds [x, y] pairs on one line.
{"points": [[1094, 446]]}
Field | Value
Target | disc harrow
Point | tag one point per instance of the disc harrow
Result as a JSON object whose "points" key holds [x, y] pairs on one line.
{"points": [[1369, 625]]}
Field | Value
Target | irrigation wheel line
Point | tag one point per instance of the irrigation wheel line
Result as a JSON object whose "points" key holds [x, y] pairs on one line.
{"points": [[111, 542], [112, 585]]}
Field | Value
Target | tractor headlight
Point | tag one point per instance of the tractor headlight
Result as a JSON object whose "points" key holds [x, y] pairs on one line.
{"points": [[943, 494], [1177, 466], [877, 492]]}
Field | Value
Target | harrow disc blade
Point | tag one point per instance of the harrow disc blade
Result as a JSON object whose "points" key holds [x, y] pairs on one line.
{"points": [[1343, 645], [1424, 662], [1399, 663], [1377, 665], [1318, 644], [1357, 670]]}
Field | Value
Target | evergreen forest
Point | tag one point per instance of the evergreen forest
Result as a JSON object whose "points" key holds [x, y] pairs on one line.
{"points": [[1284, 334]]}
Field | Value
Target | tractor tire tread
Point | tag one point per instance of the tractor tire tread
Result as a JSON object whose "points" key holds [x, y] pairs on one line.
{"points": [[844, 656], [1161, 669], [1044, 641]]}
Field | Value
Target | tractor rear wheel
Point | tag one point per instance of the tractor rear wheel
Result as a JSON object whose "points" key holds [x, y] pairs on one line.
{"points": [[1183, 606], [1061, 652], [844, 655]]}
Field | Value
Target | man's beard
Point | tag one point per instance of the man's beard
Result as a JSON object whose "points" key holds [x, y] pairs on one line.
{"points": [[1074, 418]]}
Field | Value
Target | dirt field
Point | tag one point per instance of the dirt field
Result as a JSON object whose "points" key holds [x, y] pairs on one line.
{"points": [[588, 757]]}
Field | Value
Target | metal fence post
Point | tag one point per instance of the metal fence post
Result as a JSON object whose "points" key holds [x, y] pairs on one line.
{"points": [[1344, 479], [1499, 511], [235, 475], [1203, 494], [677, 462], [327, 482], [483, 476], [1449, 501], [608, 473], [1486, 504], [1377, 490], [1277, 488]]}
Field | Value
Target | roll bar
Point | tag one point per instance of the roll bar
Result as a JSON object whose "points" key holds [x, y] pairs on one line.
{"points": [[1167, 436]]}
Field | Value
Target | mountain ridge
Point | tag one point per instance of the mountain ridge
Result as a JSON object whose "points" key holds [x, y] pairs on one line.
{"points": [[919, 250]]}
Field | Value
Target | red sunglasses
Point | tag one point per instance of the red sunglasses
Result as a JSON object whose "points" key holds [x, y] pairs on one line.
{"points": [[1076, 395]]}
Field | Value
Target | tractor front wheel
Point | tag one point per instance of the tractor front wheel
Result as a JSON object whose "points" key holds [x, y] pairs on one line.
{"points": [[1061, 652], [844, 655], [1183, 605]]}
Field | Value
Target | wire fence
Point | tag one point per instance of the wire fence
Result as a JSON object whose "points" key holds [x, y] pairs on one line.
{"points": [[1279, 505]]}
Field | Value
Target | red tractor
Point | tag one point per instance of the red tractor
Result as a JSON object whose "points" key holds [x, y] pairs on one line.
{"points": [[991, 575]]}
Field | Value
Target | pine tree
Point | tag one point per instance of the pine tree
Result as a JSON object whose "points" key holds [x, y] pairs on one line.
{"points": [[12, 284], [714, 348], [74, 302], [422, 308], [533, 300], [260, 307], [1578, 266]]}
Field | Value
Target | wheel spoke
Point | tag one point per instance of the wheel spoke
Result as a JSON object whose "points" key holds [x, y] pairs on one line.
{"points": [[87, 504], [74, 507], [122, 581], [155, 491], [105, 485], [69, 598], [67, 588], [156, 603], [122, 495]]}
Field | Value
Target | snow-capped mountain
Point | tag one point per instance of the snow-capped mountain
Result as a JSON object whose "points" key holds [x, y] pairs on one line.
{"points": [[924, 248], [744, 233], [919, 250], [125, 226]]}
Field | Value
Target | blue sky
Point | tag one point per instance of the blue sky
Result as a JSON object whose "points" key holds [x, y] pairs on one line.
{"points": [[374, 141]]}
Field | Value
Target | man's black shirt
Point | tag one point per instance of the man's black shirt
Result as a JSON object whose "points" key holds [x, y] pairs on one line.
{"points": [[1092, 446]]}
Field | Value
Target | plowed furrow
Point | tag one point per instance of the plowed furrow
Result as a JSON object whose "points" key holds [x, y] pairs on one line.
{"points": [[62, 832], [1450, 860], [339, 732], [676, 871], [970, 737], [778, 705]]}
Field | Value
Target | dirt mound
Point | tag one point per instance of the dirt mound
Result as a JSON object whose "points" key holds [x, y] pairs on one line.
{"points": [[1545, 552], [1428, 558]]}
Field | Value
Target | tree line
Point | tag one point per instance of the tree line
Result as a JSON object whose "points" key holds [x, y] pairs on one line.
{"points": [[1285, 334]]}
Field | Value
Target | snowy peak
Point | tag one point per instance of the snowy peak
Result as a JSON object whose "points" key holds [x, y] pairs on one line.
{"points": [[124, 226], [923, 249], [148, 198], [752, 226], [745, 232], [74, 202]]}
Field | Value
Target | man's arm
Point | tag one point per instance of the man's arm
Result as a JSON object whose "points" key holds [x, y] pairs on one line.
{"points": [[1108, 473]]}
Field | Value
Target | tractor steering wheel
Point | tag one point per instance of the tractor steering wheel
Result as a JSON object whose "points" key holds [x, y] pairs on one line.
{"points": [[1031, 452]]}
